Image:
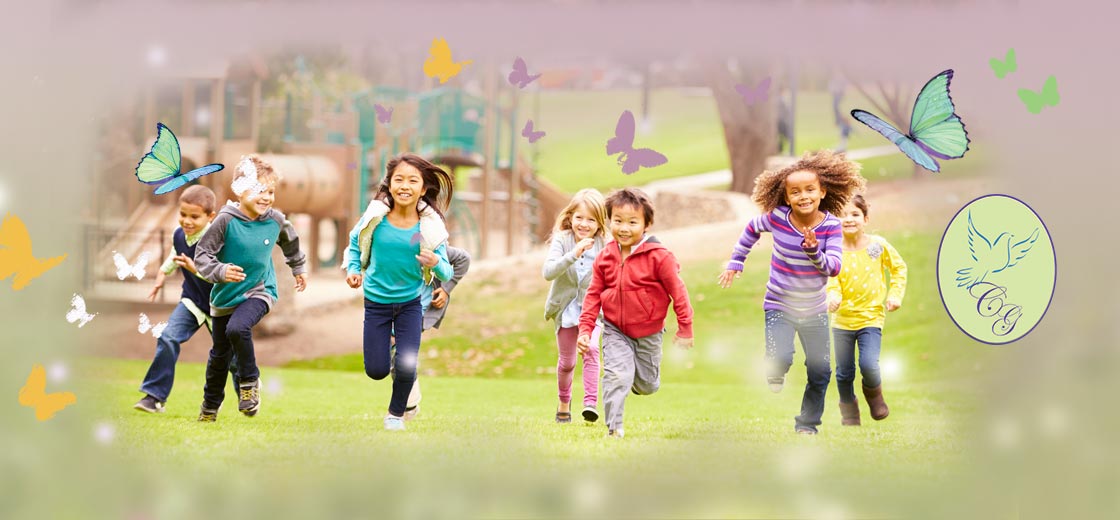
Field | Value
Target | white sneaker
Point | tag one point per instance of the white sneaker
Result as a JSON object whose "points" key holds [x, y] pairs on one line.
{"points": [[394, 423], [616, 434], [776, 383], [410, 413]]}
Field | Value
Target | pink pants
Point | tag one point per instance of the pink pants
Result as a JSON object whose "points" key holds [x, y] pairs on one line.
{"points": [[565, 368]]}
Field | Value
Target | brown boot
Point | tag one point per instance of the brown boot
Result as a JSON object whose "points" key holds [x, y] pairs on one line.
{"points": [[849, 413], [874, 396]]}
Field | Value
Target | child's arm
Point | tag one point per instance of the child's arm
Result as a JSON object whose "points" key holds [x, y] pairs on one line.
{"points": [[206, 254], [592, 303], [558, 262], [835, 296], [460, 263], [742, 248], [352, 261], [442, 268], [669, 272], [897, 267], [289, 245], [828, 261]]}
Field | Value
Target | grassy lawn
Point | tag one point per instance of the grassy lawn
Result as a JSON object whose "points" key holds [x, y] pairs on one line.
{"points": [[686, 128]]}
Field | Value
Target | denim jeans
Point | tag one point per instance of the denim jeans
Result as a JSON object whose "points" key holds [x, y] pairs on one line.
{"points": [[382, 320], [870, 340], [181, 326], [233, 336], [813, 331]]}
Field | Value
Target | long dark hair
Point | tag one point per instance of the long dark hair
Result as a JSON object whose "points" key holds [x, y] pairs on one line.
{"points": [[438, 186]]}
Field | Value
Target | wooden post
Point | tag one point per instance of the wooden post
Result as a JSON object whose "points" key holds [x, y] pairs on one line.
{"points": [[514, 180], [489, 126], [255, 114], [188, 108], [217, 118]]}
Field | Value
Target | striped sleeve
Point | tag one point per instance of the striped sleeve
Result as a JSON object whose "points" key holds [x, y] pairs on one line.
{"points": [[828, 238], [750, 236]]}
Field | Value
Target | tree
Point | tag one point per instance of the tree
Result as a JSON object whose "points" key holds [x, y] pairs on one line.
{"points": [[749, 130]]}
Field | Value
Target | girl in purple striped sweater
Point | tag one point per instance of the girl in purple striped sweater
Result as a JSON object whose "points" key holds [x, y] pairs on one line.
{"points": [[798, 204]]}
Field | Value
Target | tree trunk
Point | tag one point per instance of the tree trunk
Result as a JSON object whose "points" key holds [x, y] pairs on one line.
{"points": [[749, 131]]}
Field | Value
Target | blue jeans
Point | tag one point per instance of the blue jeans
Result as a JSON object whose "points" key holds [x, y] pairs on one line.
{"points": [[870, 341], [382, 320], [813, 331], [233, 337], [181, 326]]}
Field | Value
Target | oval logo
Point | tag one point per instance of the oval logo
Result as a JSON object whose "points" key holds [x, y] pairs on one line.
{"points": [[996, 269]]}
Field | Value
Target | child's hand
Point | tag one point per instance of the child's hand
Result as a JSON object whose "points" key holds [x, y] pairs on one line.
{"points": [[834, 304], [439, 298], [301, 282], [186, 262], [155, 291], [684, 343], [893, 304], [810, 241], [427, 259], [583, 246], [234, 273], [583, 342], [728, 276], [354, 280]]}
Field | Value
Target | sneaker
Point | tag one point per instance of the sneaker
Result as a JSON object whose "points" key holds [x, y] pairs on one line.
{"points": [[394, 423], [590, 414], [410, 413], [803, 430], [250, 400], [207, 414], [615, 434], [776, 383], [149, 404]]}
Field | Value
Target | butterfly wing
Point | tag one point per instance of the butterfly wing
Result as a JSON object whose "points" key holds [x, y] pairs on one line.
{"points": [[35, 387], [163, 160], [934, 125], [157, 329], [642, 158], [525, 132], [520, 74], [145, 324], [182, 180], [904, 143], [1050, 91], [122, 265], [623, 139]]}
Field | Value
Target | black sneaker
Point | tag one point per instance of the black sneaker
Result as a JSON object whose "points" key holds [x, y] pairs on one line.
{"points": [[207, 414], [590, 414], [250, 400], [149, 404]]}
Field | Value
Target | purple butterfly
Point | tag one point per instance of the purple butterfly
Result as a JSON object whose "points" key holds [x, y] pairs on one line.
{"points": [[623, 142], [755, 95], [416, 238], [384, 115], [520, 75], [529, 134]]}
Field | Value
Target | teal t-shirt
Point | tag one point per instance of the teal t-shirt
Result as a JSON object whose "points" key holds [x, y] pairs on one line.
{"points": [[398, 277]]}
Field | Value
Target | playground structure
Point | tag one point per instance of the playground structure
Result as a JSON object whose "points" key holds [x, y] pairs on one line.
{"points": [[331, 163]]}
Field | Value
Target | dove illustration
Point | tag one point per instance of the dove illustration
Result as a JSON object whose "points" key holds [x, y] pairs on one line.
{"points": [[992, 256], [15, 254]]}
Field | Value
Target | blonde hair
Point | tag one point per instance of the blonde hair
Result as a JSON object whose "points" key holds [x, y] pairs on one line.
{"points": [[265, 173], [589, 198], [839, 177]]}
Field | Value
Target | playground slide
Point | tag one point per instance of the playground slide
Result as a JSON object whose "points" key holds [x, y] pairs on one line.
{"points": [[142, 233]]}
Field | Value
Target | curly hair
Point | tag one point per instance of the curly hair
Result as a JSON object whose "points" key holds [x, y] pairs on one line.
{"points": [[839, 177]]}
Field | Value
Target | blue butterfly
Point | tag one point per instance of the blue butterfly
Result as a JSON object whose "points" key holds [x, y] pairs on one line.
{"points": [[162, 164], [935, 128]]}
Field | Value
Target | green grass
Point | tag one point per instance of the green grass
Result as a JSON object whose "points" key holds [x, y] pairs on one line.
{"points": [[686, 128]]}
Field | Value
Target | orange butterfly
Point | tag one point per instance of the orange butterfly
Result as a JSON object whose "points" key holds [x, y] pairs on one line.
{"points": [[34, 395], [15, 254]]}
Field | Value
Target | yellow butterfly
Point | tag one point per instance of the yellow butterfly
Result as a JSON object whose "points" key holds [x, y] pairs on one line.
{"points": [[439, 62], [34, 395], [15, 254]]}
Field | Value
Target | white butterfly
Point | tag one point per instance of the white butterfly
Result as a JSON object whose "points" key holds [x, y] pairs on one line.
{"points": [[78, 312], [248, 181], [124, 269], [146, 325]]}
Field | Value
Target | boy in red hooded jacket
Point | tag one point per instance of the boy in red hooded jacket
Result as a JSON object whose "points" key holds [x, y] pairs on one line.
{"points": [[633, 280]]}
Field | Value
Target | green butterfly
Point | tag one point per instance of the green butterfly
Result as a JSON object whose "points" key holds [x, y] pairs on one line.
{"points": [[1002, 68], [1036, 100]]}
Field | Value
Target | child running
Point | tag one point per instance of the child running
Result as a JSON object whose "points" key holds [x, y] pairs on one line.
{"points": [[235, 255], [798, 203], [577, 238], [633, 280], [395, 248], [196, 210], [856, 298]]}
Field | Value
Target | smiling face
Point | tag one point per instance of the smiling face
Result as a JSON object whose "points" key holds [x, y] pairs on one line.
{"points": [[804, 194], [406, 186], [192, 217], [853, 220], [583, 223], [254, 205], [628, 224]]}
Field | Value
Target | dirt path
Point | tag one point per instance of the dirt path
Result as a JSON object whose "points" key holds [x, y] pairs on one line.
{"points": [[896, 207]]}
